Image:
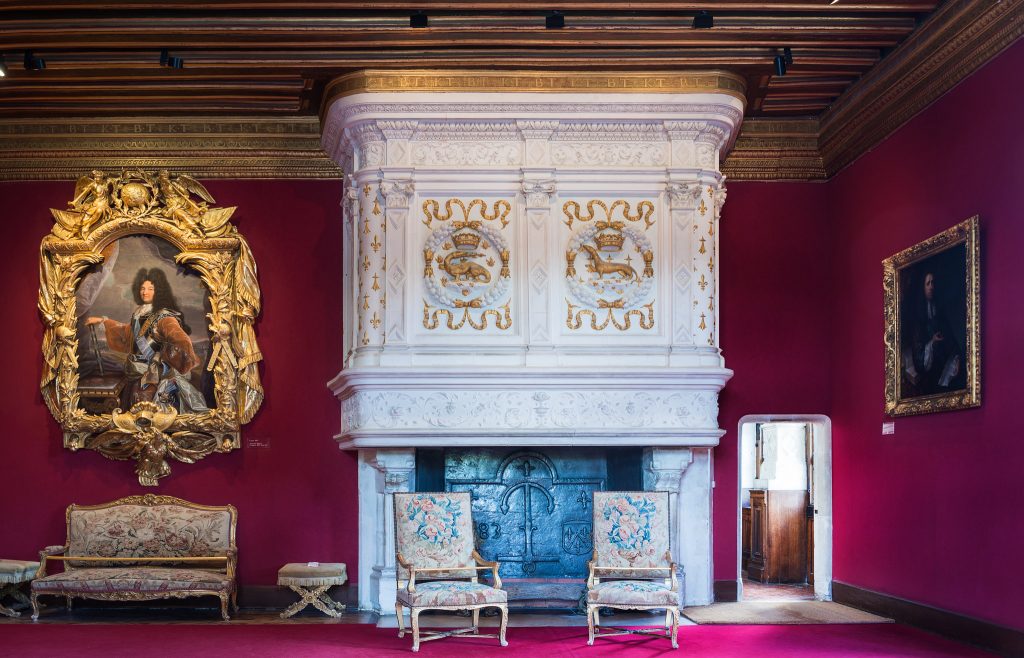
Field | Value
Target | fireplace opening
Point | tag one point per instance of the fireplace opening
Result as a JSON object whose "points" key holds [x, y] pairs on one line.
{"points": [[532, 510]]}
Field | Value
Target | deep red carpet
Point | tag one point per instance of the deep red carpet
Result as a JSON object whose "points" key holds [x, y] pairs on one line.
{"points": [[315, 640]]}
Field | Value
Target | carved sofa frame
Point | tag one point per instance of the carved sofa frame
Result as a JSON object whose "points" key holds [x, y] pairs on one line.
{"points": [[155, 560]]}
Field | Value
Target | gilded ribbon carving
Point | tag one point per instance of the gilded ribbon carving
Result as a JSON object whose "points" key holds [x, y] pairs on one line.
{"points": [[156, 363]]}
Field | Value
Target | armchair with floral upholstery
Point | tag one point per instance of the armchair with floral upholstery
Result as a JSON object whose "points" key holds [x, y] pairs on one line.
{"points": [[632, 567], [437, 565]]}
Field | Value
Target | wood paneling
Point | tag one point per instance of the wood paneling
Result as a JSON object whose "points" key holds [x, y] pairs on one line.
{"points": [[778, 536]]}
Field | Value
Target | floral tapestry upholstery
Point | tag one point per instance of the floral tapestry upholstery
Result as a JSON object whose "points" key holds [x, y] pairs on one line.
{"points": [[17, 571], [632, 592], [147, 531], [631, 529], [451, 593], [132, 579], [434, 530]]}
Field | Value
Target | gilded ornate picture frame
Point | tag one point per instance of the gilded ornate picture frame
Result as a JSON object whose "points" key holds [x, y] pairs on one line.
{"points": [[932, 324], [148, 297]]}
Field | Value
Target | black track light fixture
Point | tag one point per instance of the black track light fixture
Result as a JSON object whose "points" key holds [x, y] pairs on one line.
{"points": [[33, 63], [171, 62], [555, 20], [703, 20], [787, 54], [418, 19], [780, 65]]}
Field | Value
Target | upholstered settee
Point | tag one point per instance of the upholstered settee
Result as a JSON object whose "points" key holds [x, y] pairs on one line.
{"points": [[143, 548]]}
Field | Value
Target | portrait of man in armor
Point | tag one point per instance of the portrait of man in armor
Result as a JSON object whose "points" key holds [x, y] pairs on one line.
{"points": [[142, 331]]}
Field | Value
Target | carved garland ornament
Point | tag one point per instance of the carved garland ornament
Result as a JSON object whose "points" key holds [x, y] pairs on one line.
{"points": [[609, 281], [142, 389], [466, 266]]}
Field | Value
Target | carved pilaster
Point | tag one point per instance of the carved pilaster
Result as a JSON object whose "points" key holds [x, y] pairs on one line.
{"points": [[538, 191], [397, 134], [685, 473], [382, 474], [350, 214], [397, 193], [682, 202], [537, 137]]}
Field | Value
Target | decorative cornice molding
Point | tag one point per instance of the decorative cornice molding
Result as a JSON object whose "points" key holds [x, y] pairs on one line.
{"points": [[958, 39], [776, 149], [533, 81], [207, 147], [955, 41]]}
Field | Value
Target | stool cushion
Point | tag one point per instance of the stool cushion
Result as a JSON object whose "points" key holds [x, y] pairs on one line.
{"points": [[451, 592], [17, 571], [632, 592], [301, 574], [132, 579]]}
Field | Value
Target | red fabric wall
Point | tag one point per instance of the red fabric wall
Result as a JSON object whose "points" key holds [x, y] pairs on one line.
{"points": [[775, 251], [933, 513], [296, 497]]}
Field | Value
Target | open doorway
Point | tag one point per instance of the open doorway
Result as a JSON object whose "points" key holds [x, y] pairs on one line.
{"points": [[784, 530]]}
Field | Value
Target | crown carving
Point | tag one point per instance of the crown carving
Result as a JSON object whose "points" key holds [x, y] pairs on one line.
{"points": [[466, 240], [609, 241]]}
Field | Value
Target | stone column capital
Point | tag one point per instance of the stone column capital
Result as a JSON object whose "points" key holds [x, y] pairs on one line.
{"points": [[397, 192], [538, 192]]}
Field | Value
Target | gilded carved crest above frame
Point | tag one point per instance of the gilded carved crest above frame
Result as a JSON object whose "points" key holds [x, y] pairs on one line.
{"points": [[174, 374]]}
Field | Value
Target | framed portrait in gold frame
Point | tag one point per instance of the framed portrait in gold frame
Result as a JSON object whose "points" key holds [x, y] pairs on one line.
{"points": [[148, 296], [932, 324]]}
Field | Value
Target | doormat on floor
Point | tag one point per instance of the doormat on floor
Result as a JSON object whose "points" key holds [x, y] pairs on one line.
{"points": [[781, 612]]}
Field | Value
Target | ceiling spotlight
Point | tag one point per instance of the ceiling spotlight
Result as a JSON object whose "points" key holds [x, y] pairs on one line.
{"points": [[33, 63], [703, 20], [780, 65], [787, 54], [554, 21], [3, 67], [418, 19], [171, 62]]}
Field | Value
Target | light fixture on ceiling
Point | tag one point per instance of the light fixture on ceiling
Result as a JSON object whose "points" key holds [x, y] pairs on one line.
{"points": [[780, 65], [3, 67], [171, 62], [555, 20], [418, 19], [703, 20], [33, 63]]}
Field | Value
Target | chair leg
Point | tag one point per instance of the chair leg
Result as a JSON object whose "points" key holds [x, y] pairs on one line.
{"points": [[414, 618], [476, 620], [35, 606], [504, 625], [675, 628], [590, 624], [224, 606], [68, 599], [234, 601], [401, 618], [597, 618]]}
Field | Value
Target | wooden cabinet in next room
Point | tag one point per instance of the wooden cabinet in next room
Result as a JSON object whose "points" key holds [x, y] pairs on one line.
{"points": [[778, 536]]}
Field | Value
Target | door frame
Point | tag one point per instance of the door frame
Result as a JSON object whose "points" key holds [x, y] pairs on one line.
{"points": [[821, 428]]}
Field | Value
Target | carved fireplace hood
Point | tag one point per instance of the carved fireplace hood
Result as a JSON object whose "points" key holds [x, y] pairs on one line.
{"points": [[531, 257], [531, 260]]}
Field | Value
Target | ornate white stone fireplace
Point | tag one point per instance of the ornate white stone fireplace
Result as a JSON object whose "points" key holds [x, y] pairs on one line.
{"points": [[531, 260]]}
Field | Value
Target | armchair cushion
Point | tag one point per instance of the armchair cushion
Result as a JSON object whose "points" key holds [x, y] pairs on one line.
{"points": [[451, 593], [132, 579], [632, 592]]}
